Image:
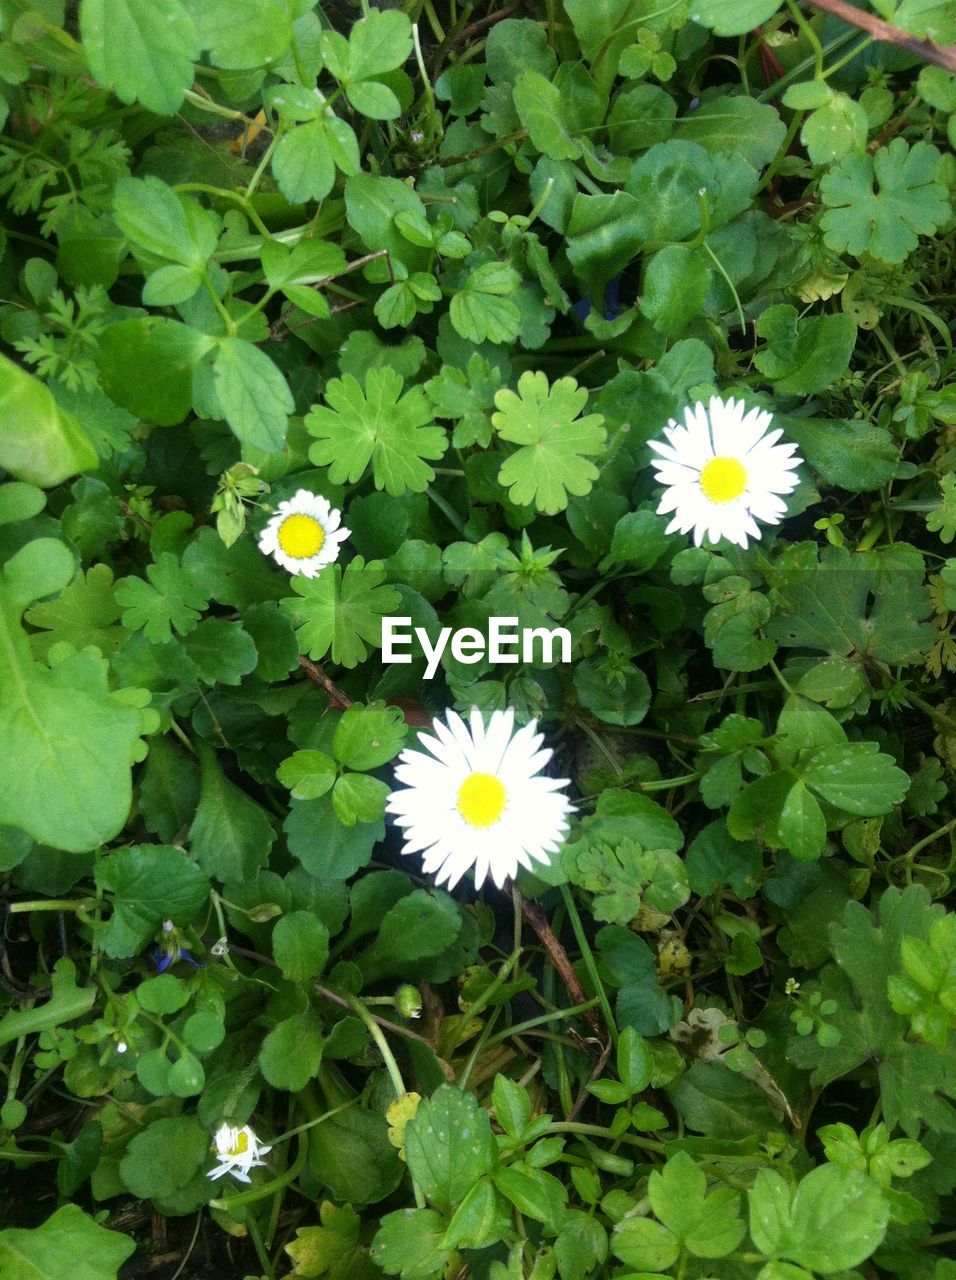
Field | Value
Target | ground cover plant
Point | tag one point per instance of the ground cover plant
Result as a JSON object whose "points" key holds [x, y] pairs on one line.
{"points": [[626, 320]]}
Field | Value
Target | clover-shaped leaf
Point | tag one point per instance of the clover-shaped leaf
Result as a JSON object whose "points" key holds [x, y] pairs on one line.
{"points": [[555, 442], [377, 425], [881, 204]]}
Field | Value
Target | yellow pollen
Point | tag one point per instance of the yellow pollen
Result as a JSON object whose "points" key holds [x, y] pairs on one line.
{"points": [[241, 1145], [481, 799], [723, 479], [301, 537]]}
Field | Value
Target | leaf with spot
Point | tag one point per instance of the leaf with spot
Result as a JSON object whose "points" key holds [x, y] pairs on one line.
{"points": [[449, 1146]]}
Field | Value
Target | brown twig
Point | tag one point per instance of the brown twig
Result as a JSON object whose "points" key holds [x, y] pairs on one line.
{"points": [[940, 55], [315, 673], [596, 1074], [534, 916]]}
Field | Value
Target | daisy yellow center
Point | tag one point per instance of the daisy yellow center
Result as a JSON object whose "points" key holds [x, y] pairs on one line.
{"points": [[481, 799], [723, 479], [241, 1145], [301, 536]]}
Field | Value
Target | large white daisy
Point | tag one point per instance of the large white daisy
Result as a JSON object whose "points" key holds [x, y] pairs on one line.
{"points": [[305, 534], [479, 799], [724, 472]]}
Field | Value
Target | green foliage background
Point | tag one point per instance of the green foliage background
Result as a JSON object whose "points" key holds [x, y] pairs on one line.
{"points": [[453, 269]]}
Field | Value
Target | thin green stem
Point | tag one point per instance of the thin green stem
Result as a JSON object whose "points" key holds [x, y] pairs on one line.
{"points": [[811, 37], [589, 962]]}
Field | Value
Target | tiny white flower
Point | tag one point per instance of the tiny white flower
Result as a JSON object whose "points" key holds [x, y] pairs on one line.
{"points": [[121, 1046], [220, 947], [238, 1151], [305, 534], [479, 799], [723, 472]]}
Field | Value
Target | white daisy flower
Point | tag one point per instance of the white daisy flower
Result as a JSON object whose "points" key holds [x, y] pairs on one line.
{"points": [[238, 1151], [723, 472], [479, 800], [305, 534]]}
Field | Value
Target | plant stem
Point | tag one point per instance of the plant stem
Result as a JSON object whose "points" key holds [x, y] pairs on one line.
{"points": [[589, 962]]}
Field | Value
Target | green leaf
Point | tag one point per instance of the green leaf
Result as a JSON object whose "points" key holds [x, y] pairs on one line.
{"points": [[149, 883], [834, 1221], [419, 926], [40, 443], [409, 1243], [676, 280], [379, 42], [534, 1193], [66, 741], [358, 798], [164, 1157], [626, 877], [882, 204], [231, 835], [154, 217], [143, 53], [222, 651], [84, 613], [304, 161], [300, 945], [824, 604], [307, 774], [603, 235], [377, 425], [635, 1065], [838, 127], [707, 1225], [804, 356], [449, 1146], [715, 858], [147, 366], [66, 1003], [170, 601], [291, 1053], [341, 612], [70, 1243], [254, 397], [858, 456], [244, 33], [733, 20], [555, 442], [540, 109], [801, 825], [367, 737], [857, 778], [644, 1245], [483, 309], [614, 690], [735, 125]]}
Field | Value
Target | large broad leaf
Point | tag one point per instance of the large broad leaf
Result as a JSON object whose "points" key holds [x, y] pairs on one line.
{"points": [[834, 1221], [449, 1146], [68, 1244], [39, 442], [66, 741], [144, 52], [733, 19], [149, 883], [231, 835]]}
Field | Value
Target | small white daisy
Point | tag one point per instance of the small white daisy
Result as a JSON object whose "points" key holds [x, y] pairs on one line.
{"points": [[723, 472], [479, 799], [305, 534], [238, 1151]]}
